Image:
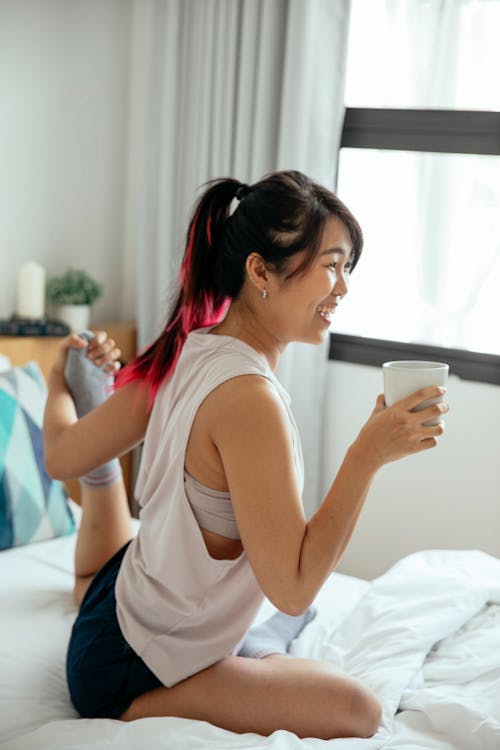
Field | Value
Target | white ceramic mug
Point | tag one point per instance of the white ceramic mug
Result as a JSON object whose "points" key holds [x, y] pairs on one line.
{"points": [[404, 377]]}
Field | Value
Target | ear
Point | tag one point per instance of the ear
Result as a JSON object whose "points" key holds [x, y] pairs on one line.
{"points": [[257, 271]]}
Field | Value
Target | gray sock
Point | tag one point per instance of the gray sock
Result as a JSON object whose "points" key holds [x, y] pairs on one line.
{"points": [[274, 636], [90, 386]]}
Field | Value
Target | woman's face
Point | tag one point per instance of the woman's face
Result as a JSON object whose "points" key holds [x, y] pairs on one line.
{"points": [[304, 306]]}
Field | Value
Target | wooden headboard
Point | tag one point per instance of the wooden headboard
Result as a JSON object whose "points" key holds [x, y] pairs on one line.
{"points": [[43, 349]]}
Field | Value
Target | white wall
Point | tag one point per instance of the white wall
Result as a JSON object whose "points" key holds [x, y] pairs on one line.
{"points": [[448, 497], [64, 69]]}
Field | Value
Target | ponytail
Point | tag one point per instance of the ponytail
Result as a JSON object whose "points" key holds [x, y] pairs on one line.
{"points": [[199, 303], [280, 216]]}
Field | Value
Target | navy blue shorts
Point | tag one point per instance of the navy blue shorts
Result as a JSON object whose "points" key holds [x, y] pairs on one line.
{"points": [[104, 673]]}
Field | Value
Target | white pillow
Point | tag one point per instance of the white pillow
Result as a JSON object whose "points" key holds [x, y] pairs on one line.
{"points": [[4, 363]]}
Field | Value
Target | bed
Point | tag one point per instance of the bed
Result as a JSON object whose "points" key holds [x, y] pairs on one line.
{"points": [[425, 637]]}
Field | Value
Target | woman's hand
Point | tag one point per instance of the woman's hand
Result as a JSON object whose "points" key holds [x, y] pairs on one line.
{"points": [[393, 432], [104, 352], [101, 351], [73, 447]]}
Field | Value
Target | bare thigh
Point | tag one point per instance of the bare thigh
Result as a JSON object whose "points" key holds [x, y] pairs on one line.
{"points": [[307, 697], [80, 588]]}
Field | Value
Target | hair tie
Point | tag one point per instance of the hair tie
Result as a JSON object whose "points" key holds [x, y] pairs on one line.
{"points": [[242, 192]]}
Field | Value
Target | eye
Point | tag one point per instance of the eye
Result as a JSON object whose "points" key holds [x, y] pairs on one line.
{"points": [[347, 268]]}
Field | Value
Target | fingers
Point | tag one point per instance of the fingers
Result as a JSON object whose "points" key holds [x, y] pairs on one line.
{"points": [[424, 394], [435, 430], [68, 342], [396, 431], [73, 341], [426, 408], [431, 412], [423, 404], [428, 443], [104, 352], [419, 428]]}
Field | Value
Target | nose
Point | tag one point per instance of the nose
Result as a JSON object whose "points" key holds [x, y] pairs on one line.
{"points": [[341, 286]]}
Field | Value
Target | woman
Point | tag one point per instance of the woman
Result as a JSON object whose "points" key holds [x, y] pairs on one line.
{"points": [[160, 627]]}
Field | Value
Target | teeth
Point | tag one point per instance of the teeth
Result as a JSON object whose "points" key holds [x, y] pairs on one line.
{"points": [[326, 312]]}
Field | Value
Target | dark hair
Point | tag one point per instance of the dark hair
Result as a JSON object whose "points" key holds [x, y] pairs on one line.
{"points": [[281, 215]]}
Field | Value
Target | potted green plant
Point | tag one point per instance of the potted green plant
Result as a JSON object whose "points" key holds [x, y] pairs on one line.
{"points": [[71, 296]]}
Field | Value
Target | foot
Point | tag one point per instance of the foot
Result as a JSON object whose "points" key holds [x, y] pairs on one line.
{"points": [[89, 385], [274, 636]]}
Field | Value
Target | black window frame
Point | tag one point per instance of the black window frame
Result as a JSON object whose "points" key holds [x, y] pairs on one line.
{"points": [[430, 130]]}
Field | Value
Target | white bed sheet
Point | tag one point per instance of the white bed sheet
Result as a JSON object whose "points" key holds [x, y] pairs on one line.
{"points": [[425, 636]]}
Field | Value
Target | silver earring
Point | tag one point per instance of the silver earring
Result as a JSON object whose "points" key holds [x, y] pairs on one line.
{"points": [[264, 294]]}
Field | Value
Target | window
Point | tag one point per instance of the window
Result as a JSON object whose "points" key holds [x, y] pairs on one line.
{"points": [[420, 168]]}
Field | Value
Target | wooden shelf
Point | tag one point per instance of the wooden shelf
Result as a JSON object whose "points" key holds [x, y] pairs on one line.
{"points": [[43, 349]]}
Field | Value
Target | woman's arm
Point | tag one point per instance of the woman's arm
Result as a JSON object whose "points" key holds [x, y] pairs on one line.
{"points": [[73, 446], [290, 557]]}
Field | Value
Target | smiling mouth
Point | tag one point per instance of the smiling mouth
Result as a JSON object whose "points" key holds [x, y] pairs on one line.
{"points": [[326, 312]]}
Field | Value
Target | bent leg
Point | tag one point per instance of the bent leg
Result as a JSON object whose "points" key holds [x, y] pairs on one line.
{"points": [[307, 697], [105, 524], [104, 528]]}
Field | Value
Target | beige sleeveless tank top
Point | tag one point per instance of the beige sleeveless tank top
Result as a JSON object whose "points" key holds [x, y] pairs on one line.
{"points": [[180, 609]]}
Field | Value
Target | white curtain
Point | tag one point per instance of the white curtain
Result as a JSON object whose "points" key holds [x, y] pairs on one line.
{"points": [[230, 88]]}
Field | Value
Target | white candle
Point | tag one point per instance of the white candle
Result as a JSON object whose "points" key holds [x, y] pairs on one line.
{"points": [[31, 290]]}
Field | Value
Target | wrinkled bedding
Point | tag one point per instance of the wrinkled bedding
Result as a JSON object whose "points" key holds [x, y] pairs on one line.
{"points": [[425, 636]]}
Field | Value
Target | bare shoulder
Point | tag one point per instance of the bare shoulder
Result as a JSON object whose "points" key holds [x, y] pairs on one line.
{"points": [[251, 385], [243, 398], [246, 422]]}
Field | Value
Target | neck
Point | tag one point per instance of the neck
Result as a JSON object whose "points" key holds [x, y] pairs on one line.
{"points": [[242, 323]]}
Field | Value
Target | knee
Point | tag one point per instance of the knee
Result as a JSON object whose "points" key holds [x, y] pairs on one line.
{"points": [[357, 711], [365, 713]]}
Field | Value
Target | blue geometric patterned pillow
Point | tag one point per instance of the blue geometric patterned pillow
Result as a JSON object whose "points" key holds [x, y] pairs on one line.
{"points": [[33, 506]]}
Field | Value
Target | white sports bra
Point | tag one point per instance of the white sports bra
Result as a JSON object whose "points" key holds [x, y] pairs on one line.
{"points": [[212, 509]]}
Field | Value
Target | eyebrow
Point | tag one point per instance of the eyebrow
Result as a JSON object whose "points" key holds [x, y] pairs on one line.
{"points": [[334, 250]]}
